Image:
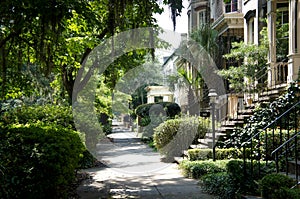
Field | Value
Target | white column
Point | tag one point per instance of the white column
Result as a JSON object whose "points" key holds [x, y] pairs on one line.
{"points": [[272, 42], [294, 40], [166, 98], [150, 99]]}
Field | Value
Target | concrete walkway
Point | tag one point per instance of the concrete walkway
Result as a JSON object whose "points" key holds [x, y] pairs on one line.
{"points": [[134, 170]]}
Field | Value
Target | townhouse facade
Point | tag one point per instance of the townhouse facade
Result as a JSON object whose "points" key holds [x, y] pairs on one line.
{"points": [[243, 20]]}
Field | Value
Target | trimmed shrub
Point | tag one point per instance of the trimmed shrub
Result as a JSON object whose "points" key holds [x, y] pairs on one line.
{"points": [[174, 136], [199, 154], [275, 186], [171, 109], [218, 184], [246, 182], [196, 169], [221, 154], [152, 115], [39, 160]]}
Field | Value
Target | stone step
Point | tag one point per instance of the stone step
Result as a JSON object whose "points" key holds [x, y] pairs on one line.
{"points": [[240, 118], [245, 112], [185, 153], [217, 133], [224, 129], [231, 123], [262, 99], [293, 166], [208, 139], [199, 146], [251, 197], [204, 144], [178, 160], [273, 92]]}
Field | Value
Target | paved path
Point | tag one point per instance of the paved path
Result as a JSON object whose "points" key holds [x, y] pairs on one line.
{"points": [[133, 170]]}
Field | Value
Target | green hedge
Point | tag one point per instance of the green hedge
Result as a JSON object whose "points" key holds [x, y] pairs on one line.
{"points": [[169, 110], [160, 112], [221, 154], [51, 114], [218, 184], [226, 178], [38, 161], [278, 186], [173, 136], [39, 151], [196, 169], [248, 184]]}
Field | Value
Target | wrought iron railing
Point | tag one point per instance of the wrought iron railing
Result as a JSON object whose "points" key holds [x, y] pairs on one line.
{"points": [[287, 149], [272, 139]]}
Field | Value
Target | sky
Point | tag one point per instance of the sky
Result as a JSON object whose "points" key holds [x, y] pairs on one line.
{"points": [[164, 20]]}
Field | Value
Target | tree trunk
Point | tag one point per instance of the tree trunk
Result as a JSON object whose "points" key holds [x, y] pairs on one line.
{"points": [[4, 69], [68, 81]]}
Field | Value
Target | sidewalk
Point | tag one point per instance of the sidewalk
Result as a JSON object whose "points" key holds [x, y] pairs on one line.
{"points": [[134, 170]]}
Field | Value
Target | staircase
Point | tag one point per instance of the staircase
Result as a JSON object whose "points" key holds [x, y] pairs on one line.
{"points": [[243, 114], [227, 125]]}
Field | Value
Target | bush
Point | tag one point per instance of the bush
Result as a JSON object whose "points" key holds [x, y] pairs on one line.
{"points": [[174, 136], [199, 154], [275, 186], [171, 109], [196, 169], [152, 115], [218, 184], [87, 160], [246, 182], [234, 182], [39, 160], [46, 115], [289, 193], [221, 154], [51, 114]]}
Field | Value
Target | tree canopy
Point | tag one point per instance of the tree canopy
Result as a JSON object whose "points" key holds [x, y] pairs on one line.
{"points": [[44, 42]]}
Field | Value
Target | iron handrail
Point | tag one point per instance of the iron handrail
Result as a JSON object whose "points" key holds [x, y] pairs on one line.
{"points": [[274, 121], [285, 143]]}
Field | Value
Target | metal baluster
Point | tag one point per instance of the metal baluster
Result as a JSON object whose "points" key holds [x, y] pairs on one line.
{"points": [[296, 158], [259, 154], [287, 145], [266, 145]]}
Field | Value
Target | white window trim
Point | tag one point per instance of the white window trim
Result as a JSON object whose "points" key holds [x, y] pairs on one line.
{"points": [[203, 17]]}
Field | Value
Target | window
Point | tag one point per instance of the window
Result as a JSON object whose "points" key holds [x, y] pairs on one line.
{"points": [[190, 22], [231, 6], [201, 18], [282, 32], [282, 15]]}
